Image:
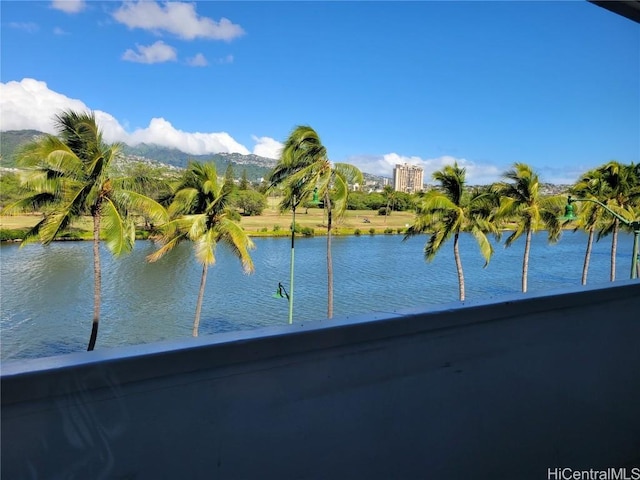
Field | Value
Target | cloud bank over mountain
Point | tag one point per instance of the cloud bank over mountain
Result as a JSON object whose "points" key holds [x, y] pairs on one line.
{"points": [[30, 104]]}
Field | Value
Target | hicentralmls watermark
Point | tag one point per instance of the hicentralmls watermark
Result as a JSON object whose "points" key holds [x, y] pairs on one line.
{"points": [[592, 474]]}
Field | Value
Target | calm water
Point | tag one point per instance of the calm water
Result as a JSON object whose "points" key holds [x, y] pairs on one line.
{"points": [[47, 292]]}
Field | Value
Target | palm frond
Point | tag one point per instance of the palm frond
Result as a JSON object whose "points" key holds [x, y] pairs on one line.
{"points": [[301, 184], [452, 181], [237, 241], [137, 202], [53, 225], [29, 203], [170, 235], [166, 247], [435, 242], [33, 234], [351, 174], [515, 234], [119, 231], [51, 155], [184, 201], [436, 201], [197, 226], [80, 132], [486, 249], [340, 193], [205, 248], [302, 149]]}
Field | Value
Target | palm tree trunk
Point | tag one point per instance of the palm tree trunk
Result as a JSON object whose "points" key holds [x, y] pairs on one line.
{"points": [[614, 247], [329, 260], [525, 261], [97, 280], [203, 281], [587, 256], [456, 256]]}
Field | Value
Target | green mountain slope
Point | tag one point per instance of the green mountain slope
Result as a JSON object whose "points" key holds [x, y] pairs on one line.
{"points": [[257, 167], [9, 143]]}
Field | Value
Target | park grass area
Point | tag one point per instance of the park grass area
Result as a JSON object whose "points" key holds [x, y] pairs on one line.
{"points": [[270, 223], [273, 222]]}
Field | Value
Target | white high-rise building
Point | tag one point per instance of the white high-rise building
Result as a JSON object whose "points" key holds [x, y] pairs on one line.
{"points": [[408, 178]]}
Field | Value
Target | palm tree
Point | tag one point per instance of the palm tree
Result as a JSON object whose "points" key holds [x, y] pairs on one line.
{"points": [[301, 149], [448, 212], [305, 170], [336, 198], [199, 213], [620, 189], [331, 182], [69, 176], [391, 195], [522, 203], [589, 186]]}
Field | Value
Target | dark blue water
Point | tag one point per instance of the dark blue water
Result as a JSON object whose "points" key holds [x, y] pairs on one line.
{"points": [[47, 292]]}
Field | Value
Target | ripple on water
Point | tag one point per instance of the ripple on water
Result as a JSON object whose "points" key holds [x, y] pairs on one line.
{"points": [[47, 292]]}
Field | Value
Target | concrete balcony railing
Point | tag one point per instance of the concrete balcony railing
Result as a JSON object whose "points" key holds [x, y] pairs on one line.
{"points": [[513, 389]]}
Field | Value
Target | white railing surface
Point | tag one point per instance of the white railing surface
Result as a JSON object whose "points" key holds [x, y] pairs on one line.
{"points": [[520, 388]]}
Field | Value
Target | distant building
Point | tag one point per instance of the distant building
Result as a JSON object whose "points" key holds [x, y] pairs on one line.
{"points": [[408, 178]]}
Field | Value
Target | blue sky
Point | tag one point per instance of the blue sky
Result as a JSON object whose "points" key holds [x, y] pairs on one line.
{"points": [[553, 84]]}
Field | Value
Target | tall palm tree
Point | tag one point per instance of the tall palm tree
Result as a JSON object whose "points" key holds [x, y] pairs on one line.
{"points": [[304, 170], [589, 186], [336, 197], [391, 195], [522, 203], [620, 188], [301, 149], [449, 211], [68, 176], [199, 213], [331, 182]]}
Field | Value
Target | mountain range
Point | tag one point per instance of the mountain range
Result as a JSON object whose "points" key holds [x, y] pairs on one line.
{"points": [[255, 166]]}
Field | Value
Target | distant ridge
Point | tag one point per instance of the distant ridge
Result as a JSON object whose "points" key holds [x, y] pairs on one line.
{"points": [[11, 140], [178, 158], [257, 167]]}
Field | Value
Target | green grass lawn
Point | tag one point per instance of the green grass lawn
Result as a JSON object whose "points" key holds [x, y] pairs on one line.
{"points": [[270, 223]]}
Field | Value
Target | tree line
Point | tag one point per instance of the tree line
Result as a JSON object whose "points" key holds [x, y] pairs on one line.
{"points": [[72, 174]]}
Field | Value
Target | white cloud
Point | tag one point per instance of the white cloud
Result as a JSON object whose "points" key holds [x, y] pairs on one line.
{"points": [[112, 131], [161, 132], [198, 61], [69, 6], [227, 59], [477, 174], [266, 147], [176, 18], [59, 31], [159, 52], [28, 27], [30, 104]]}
